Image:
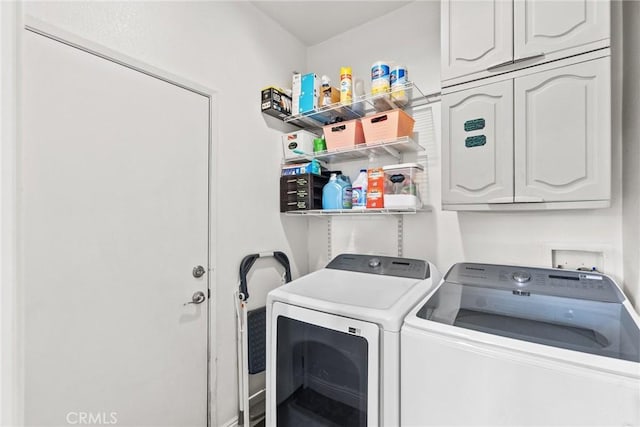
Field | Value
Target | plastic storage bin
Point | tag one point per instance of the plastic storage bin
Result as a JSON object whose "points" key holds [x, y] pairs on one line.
{"points": [[386, 126], [343, 135], [301, 192], [402, 185]]}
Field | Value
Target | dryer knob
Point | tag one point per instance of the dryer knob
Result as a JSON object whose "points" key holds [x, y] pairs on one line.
{"points": [[374, 262], [521, 276]]}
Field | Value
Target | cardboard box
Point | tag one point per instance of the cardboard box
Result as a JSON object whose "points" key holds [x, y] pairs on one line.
{"points": [[375, 188], [316, 168], [296, 88], [300, 140], [332, 93], [309, 92], [276, 103]]}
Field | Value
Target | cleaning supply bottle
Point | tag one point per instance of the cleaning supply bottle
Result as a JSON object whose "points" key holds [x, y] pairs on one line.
{"points": [[359, 190], [347, 191], [346, 86], [358, 93], [326, 91], [332, 193]]}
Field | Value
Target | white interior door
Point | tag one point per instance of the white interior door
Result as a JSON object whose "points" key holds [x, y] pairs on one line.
{"points": [[113, 212]]}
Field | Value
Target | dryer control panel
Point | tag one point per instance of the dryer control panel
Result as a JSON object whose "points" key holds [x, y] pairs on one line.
{"points": [[383, 265]]}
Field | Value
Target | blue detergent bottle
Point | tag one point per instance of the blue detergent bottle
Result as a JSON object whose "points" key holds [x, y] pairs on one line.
{"points": [[332, 193]]}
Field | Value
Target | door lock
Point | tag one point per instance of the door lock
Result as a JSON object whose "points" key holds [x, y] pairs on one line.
{"points": [[198, 271]]}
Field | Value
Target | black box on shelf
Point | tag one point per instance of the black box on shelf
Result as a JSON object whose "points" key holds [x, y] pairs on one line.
{"points": [[276, 103], [301, 192]]}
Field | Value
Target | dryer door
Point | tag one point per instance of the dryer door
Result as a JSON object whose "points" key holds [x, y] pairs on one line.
{"points": [[324, 369]]}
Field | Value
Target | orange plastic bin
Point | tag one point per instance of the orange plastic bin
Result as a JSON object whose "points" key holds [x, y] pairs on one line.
{"points": [[386, 126], [343, 134]]}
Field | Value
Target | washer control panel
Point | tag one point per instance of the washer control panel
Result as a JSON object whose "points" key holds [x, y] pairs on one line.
{"points": [[382, 265], [542, 281]]}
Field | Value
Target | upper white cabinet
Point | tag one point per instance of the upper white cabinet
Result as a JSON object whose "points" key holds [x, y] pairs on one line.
{"points": [[562, 134], [476, 35], [481, 38], [559, 28], [478, 158], [537, 138]]}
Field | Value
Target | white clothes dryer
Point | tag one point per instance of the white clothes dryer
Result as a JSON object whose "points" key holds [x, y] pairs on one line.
{"points": [[333, 341], [500, 345]]}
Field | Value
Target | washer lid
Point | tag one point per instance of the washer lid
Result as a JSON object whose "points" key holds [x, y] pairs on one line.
{"points": [[543, 306]]}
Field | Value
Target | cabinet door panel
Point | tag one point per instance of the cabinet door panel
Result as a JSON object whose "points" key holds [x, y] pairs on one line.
{"points": [[477, 148], [563, 133], [475, 36], [559, 28]]}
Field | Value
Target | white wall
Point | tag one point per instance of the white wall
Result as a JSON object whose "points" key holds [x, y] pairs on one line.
{"points": [[631, 148], [411, 35], [9, 365], [235, 49]]}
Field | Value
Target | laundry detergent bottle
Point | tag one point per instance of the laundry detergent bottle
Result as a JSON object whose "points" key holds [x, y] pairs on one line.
{"points": [[347, 191], [359, 193], [332, 193]]}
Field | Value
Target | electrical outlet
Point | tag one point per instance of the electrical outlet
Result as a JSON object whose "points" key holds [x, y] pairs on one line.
{"points": [[578, 259]]}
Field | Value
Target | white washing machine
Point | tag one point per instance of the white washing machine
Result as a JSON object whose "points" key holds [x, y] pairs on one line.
{"points": [[333, 340], [505, 345]]}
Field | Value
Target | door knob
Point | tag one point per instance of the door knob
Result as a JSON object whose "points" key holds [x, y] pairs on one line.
{"points": [[197, 298], [198, 271]]}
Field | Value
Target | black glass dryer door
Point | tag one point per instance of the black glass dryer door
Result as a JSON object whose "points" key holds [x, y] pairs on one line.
{"points": [[326, 370]]}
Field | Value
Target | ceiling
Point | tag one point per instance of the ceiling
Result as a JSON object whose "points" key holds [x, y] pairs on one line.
{"points": [[314, 21]]}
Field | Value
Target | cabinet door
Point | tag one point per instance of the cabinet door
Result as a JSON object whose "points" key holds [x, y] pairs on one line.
{"points": [[560, 28], [475, 36], [477, 145], [563, 134]]}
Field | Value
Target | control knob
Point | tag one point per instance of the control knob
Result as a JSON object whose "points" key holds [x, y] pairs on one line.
{"points": [[521, 276]]}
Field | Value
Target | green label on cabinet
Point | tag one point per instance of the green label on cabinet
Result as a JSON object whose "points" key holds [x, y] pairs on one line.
{"points": [[474, 124], [475, 141]]}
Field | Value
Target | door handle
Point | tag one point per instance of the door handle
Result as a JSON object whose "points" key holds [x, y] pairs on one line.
{"points": [[529, 58], [515, 61], [502, 64], [197, 298]]}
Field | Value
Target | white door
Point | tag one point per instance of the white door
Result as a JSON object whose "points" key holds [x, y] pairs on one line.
{"points": [[563, 134], [113, 213], [476, 35], [477, 145], [560, 28]]}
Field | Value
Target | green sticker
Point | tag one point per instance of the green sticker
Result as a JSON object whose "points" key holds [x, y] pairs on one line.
{"points": [[474, 124], [475, 141]]}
